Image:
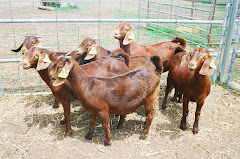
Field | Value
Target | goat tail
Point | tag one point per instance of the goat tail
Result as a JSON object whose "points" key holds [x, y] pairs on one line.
{"points": [[180, 41], [158, 63], [18, 49], [125, 56]]}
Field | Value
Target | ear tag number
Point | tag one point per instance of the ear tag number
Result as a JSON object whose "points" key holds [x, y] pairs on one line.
{"points": [[63, 73], [46, 59], [93, 51], [131, 36], [212, 64]]}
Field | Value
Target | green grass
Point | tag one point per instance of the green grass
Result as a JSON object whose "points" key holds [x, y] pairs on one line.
{"points": [[70, 8]]}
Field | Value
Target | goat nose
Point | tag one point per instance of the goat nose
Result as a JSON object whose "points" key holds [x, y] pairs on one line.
{"points": [[190, 65]]}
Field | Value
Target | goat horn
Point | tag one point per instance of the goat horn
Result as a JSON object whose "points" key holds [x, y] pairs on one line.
{"points": [[38, 36], [67, 54], [94, 38], [132, 27]]}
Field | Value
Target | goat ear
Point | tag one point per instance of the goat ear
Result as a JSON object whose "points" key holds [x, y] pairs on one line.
{"points": [[59, 81], [208, 66], [129, 37], [92, 52], [185, 59], [39, 44], [43, 61], [164, 62]]}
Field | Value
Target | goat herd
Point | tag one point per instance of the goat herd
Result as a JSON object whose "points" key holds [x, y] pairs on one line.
{"points": [[121, 81]]}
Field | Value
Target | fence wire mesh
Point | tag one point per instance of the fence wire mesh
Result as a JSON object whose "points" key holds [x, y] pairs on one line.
{"points": [[66, 36]]}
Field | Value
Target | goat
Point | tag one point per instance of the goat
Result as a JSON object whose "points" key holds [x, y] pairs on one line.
{"points": [[90, 51], [164, 50], [28, 42], [41, 59], [189, 76], [119, 95]]}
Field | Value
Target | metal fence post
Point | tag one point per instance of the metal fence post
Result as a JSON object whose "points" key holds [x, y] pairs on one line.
{"points": [[1, 88], [228, 40], [228, 4], [235, 50]]}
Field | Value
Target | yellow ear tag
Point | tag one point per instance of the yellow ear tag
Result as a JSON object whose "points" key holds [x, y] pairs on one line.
{"points": [[46, 59], [131, 36], [38, 45], [212, 64], [93, 51], [63, 73]]}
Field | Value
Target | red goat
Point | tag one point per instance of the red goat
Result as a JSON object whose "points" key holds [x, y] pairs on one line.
{"points": [[91, 51], [164, 50], [119, 95], [189, 76], [41, 59]]}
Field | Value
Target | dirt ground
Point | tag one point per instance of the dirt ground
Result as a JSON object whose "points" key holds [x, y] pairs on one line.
{"points": [[30, 128]]}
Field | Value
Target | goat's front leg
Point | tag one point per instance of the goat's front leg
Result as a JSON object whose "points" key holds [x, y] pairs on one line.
{"points": [[121, 121], [105, 123], [91, 128], [66, 107], [185, 113], [197, 115]]}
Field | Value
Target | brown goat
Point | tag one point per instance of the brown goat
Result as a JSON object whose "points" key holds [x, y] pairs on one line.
{"points": [[41, 59], [29, 41], [164, 50], [119, 95], [91, 51], [189, 76]]}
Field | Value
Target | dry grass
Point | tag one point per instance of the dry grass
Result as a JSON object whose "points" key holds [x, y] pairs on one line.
{"points": [[30, 128]]}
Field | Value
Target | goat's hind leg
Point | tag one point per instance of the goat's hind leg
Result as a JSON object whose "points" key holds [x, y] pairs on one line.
{"points": [[105, 123], [169, 87], [91, 128], [121, 121]]}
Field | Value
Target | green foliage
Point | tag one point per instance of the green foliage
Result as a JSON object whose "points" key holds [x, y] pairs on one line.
{"points": [[69, 8]]}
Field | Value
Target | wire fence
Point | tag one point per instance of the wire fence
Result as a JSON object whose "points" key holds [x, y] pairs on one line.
{"points": [[200, 22]]}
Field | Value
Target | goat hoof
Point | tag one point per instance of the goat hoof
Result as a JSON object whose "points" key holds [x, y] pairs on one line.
{"points": [[62, 122], [55, 106], [195, 131], [142, 137], [164, 107], [183, 127], [88, 136], [107, 143], [119, 126], [67, 134]]}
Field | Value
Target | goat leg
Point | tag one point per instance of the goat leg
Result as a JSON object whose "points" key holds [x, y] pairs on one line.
{"points": [[91, 128], [197, 115], [149, 110], [105, 123], [66, 107], [185, 113], [56, 104], [168, 89], [121, 121], [174, 98]]}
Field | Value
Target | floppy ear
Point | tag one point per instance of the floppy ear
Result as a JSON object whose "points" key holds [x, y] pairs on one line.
{"points": [[59, 81], [208, 66], [43, 61], [129, 37], [185, 59], [65, 70], [92, 52]]}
